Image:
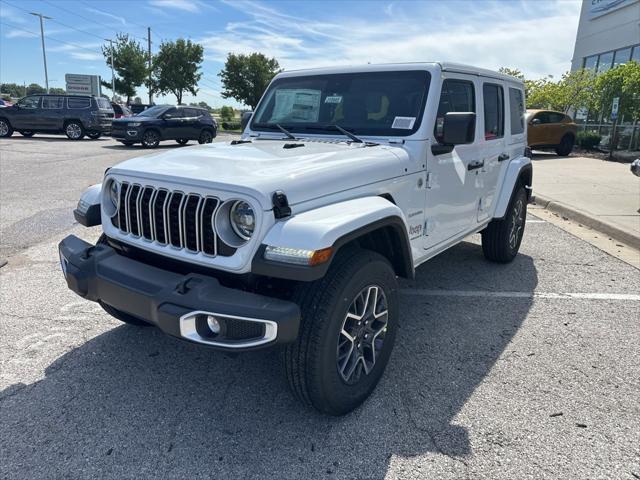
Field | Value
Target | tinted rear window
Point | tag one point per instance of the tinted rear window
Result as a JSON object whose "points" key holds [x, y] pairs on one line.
{"points": [[52, 102], [516, 107], [78, 102]]}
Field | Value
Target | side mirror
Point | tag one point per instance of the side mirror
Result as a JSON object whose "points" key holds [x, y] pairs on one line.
{"points": [[459, 128], [536, 121], [245, 119], [167, 116]]}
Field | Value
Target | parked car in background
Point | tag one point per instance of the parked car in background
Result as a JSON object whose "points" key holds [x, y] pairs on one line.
{"points": [[73, 115], [165, 122], [548, 129], [121, 110], [139, 107], [5, 103]]}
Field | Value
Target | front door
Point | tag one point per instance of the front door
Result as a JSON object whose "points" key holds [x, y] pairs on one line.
{"points": [[172, 124], [52, 113], [27, 114], [452, 198]]}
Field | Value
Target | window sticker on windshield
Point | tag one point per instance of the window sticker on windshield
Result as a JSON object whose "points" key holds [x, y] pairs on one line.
{"points": [[333, 99], [296, 105], [405, 123]]}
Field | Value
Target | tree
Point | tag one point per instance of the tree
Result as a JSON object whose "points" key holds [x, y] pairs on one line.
{"points": [[57, 91], [623, 82], [574, 90], [226, 113], [175, 68], [13, 89], [129, 63], [34, 88], [245, 77]]}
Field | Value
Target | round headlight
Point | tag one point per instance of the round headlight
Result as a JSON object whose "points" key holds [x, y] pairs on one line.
{"points": [[242, 219], [114, 193]]}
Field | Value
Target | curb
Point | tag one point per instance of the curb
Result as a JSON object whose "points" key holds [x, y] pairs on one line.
{"points": [[588, 220]]}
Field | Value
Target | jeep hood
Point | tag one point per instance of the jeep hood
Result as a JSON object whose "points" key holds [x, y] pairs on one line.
{"points": [[259, 168]]}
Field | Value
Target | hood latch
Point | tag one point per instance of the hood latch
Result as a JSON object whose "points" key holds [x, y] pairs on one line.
{"points": [[281, 208]]}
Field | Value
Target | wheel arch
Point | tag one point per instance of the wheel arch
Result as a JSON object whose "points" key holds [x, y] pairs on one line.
{"points": [[519, 174], [372, 223]]}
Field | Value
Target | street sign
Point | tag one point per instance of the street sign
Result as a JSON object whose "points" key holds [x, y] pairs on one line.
{"points": [[614, 108], [83, 84]]}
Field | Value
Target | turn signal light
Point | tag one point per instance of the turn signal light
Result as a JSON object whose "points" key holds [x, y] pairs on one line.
{"points": [[298, 256]]}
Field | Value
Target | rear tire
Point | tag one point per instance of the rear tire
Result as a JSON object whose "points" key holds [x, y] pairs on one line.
{"points": [[74, 130], [502, 238], [150, 139], [94, 135], [566, 146], [325, 368], [5, 128], [27, 134], [206, 136]]}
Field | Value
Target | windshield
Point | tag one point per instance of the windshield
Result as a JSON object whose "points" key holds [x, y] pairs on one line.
{"points": [[365, 103], [154, 111]]}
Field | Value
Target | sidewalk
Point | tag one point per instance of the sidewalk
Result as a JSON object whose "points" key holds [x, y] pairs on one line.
{"points": [[603, 195]]}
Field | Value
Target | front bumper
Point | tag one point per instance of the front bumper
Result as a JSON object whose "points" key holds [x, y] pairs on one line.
{"points": [[177, 304], [130, 134]]}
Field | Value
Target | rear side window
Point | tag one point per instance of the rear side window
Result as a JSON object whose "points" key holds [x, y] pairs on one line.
{"points": [[516, 107], [493, 111], [78, 102], [52, 102], [191, 112], [456, 96], [555, 117]]}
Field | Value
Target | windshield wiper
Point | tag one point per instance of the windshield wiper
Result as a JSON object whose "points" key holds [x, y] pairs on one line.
{"points": [[285, 131], [347, 133]]}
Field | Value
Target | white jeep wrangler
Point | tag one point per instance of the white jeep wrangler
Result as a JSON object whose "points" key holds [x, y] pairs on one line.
{"points": [[294, 236]]}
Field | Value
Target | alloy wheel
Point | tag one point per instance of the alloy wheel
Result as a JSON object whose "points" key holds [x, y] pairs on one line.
{"points": [[517, 224], [74, 131], [150, 139], [4, 128], [362, 335]]}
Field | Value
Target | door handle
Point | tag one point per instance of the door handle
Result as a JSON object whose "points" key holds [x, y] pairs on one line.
{"points": [[503, 156], [475, 165]]}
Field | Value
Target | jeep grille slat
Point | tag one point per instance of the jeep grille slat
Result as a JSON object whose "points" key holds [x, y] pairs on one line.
{"points": [[182, 220]]}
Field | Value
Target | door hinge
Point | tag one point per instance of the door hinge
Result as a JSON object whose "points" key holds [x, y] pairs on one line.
{"points": [[428, 180]]}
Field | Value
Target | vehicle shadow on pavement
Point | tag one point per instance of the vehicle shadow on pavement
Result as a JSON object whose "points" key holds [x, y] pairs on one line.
{"points": [[58, 138], [134, 403], [162, 146]]}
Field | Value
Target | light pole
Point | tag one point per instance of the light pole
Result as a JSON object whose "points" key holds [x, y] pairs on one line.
{"points": [[113, 75], [44, 55]]}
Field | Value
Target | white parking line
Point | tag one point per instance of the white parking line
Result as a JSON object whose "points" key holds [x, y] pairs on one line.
{"points": [[548, 295]]}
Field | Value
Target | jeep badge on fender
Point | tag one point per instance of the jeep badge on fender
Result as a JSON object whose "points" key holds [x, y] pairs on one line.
{"points": [[294, 236]]}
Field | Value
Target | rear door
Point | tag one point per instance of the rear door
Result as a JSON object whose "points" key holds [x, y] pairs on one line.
{"points": [[172, 124], [451, 192], [540, 130], [52, 112], [493, 145], [191, 122]]}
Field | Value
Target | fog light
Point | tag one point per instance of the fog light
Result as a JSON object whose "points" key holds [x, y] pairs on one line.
{"points": [[213, 324]]}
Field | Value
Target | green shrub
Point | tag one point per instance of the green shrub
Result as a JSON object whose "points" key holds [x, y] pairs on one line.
{"points": [[588, 140], [231, 125]]}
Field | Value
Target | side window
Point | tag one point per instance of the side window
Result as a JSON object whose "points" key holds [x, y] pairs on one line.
{"points": [[52, 102], [191, 113], [174, 112], [543, 117], [29, 102], [516, 108], [78, 102], [555, 117], [493, 111], [456, 96]]}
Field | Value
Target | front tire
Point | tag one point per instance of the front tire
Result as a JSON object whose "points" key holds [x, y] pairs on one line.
{"points": [[27, 133], [94, 135], [502, 238], [182, 141], [348, 327], [74, 130], [566, 146], [150, 139], [5, 128]]}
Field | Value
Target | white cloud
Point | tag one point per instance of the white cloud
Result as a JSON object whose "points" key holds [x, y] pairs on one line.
{"points": [[107, 14], [20, 34], [192, 6], [77, 52], [492, 34]]}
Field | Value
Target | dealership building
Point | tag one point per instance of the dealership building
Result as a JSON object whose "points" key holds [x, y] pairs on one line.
{"points": [[608, 35]]}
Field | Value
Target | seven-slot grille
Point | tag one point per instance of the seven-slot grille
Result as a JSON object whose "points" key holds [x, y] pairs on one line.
{"points": [[182, 220]]}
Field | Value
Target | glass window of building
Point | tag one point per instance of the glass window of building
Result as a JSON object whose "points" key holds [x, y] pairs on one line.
{"points": [[636, 53], [606, 59], [591, 63], [621, 56]]}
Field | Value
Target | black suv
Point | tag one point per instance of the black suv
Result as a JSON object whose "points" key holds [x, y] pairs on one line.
{"points": [[74, 115], [165, 122]]}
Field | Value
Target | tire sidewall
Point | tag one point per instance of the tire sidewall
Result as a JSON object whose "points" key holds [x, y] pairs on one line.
{"points": [[205, 133], [341, 396], [152, 144], [9, 129], [520, 194], [79, 137]]}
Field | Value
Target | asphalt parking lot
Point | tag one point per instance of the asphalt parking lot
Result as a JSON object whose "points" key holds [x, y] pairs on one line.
{"points": [[526, 370]]}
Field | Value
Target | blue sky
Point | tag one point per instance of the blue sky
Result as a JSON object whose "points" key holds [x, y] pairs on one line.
{"points": [[535, 36]]}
